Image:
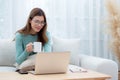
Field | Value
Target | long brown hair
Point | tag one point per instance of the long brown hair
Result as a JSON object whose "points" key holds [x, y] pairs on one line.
{"points": [[27, 28]]}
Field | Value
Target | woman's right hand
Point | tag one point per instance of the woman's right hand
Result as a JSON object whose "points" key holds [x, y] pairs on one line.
{"points": [[29, 47]]}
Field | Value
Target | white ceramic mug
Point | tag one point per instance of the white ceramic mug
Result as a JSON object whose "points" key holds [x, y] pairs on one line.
{"points": [[37, 46]]}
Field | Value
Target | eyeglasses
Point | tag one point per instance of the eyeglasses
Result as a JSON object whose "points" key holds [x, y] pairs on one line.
{"points": [[42, 23]]}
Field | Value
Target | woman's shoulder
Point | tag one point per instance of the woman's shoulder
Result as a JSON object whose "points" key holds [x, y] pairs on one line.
{"points": [[19, 35], [47, 33]]}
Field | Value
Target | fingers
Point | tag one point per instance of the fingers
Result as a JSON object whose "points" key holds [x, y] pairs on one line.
{"points": [[29, 44], [29, 47]]}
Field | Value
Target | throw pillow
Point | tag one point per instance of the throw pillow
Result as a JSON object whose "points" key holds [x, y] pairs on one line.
{"points": [[72, 45]]}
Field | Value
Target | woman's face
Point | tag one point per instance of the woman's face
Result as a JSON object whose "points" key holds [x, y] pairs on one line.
{"points": [[37, 23]]}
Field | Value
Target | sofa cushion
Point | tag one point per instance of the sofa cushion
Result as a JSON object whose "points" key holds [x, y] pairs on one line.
{"points": [[7, 52], [72, 45]]}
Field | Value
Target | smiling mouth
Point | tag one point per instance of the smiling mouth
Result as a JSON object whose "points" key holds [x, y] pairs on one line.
{"points": [[38, 28]]}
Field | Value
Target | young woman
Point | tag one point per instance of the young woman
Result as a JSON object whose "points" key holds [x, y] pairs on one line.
{"points": [[34, 30]]}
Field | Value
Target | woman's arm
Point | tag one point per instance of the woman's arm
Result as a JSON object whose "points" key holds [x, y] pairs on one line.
{"points": [[21, 53], [47, 46]]}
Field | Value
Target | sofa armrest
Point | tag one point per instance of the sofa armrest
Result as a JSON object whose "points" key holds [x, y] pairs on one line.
{"points": [[99, 64]]}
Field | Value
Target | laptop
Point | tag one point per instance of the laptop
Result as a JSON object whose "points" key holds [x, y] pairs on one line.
{"points": [[51, 62]]}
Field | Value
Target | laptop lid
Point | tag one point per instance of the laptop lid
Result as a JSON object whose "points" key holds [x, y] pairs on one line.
{"points": [[52, 62]]}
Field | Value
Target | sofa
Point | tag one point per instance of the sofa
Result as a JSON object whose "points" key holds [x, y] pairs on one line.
{"points": [[7, 56]]}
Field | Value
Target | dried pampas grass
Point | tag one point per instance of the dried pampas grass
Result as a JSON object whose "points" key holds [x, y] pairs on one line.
{"points": [[113, 22]]}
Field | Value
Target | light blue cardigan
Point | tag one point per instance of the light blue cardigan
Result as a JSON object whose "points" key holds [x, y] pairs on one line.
{"points": [[21, 42]]}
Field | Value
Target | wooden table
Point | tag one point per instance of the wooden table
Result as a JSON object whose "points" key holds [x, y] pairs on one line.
{"points": [[89, 75]]}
